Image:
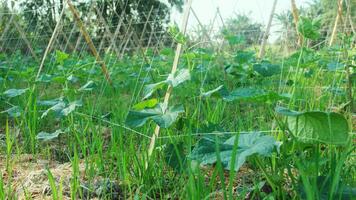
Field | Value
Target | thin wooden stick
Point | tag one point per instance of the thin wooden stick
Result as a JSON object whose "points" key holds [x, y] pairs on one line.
{"points": [[261, 54], [50, 43], [89, 41], [337, 19], [174, 69], [23, 35]]}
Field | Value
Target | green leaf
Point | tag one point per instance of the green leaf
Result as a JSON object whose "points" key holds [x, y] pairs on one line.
{"points": [[316, 126], [61, 57], [334, 66], [266, 69], [248, 144], [177, 35], [210, 92], [179, 77], [14, 111], [89, 86], [14, 92], [44, 136], [173, 79], [44, 78], [309, 28], [244, 57], [251, 95], [146, 104], [57, 108], [148, 90], [175, 156], [169, 117], [62, 109], [71, 107], [164, 120], [51, 102], [72, 78]]}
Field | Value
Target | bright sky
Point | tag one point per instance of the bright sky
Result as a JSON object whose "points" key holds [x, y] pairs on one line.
{"points": [[258, 10]]}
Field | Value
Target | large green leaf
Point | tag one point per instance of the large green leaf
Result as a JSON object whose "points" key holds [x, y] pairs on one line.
{"points": [[44, 136], [175, 157], [266, 68], [150, 103], [149, 89], [163, 119], [251, 95], [174, 80], [14, 111], [248, 144], [62, 108], [14, 92], [61, 57], [309, 28], [179, 77], [89, 86], [317, 126]]}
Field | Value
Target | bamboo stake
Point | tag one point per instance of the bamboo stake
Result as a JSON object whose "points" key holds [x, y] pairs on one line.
{"points": [[23, 35], [337, 19], [296, 19], [266, 34], [89, 41], [50, 43], [174, 69]]}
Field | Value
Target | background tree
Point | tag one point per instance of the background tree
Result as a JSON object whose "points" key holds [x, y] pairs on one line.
{"points": [[242, 30], [40, 16]]}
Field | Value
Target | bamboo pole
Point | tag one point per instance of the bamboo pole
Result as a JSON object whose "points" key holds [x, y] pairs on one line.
{"points": [[296, 19], [89, 41], [174, 69], [50, 43], [266, 33], [337, 19]]}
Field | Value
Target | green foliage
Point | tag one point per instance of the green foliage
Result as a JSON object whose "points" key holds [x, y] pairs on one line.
{"points": [[89, 86], [150, 103], [14, 111], [242, 31], [175, 156], [157, 114], [14, 92], [266, 69], [248, 144], [174, 80], [44, 136], [62, 108], [309, 28], [177, 35], [316, 126]]}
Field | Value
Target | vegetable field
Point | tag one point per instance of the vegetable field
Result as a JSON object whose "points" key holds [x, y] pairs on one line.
{"points": [[112, 100]]}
